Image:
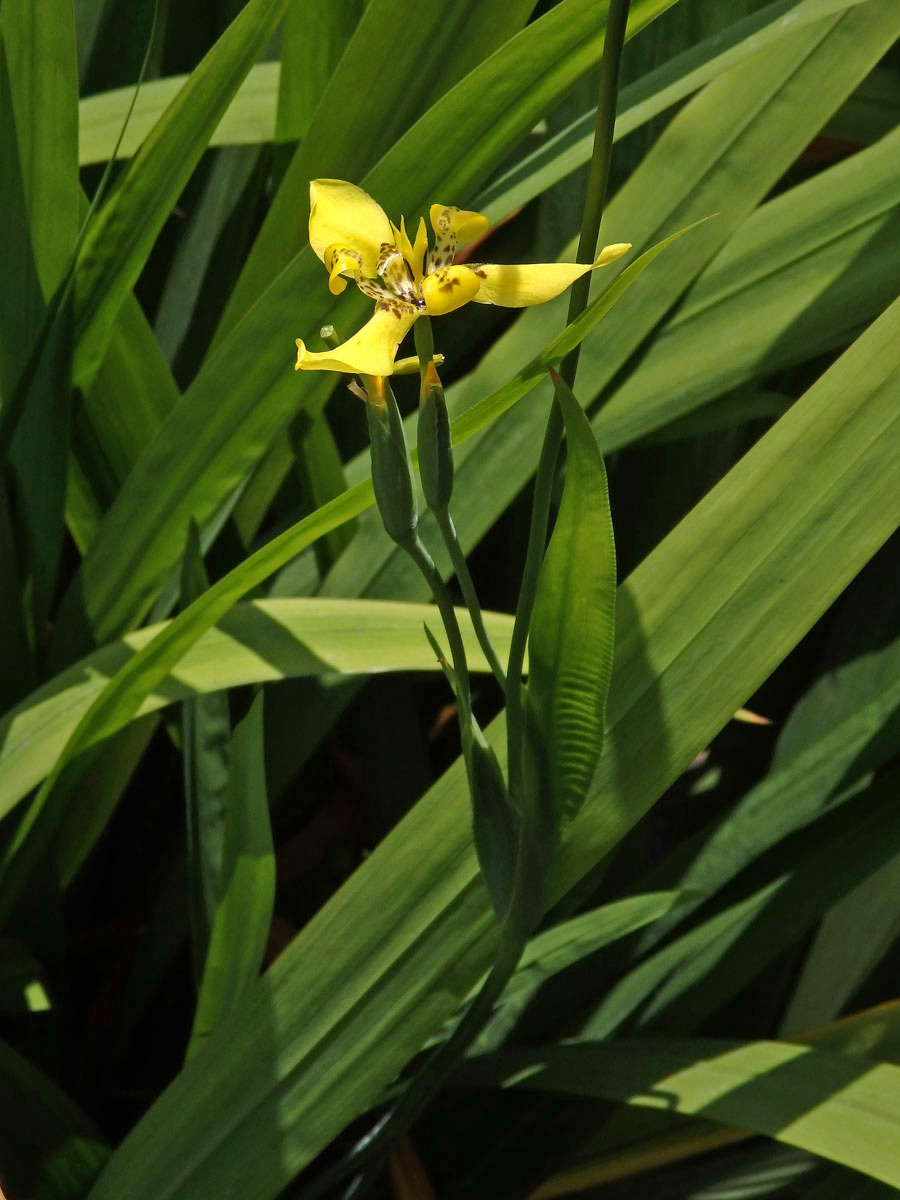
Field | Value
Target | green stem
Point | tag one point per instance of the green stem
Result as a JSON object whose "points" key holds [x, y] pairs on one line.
{"points": [[528, 883], [437, 489], [424, 339], [423, 560], [553, 437], [438, 1068], [461, 567], [598, 178]]}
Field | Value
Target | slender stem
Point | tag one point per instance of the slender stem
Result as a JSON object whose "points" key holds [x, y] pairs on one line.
{"points": [[461, 567], [438, 497], [553, 437], [528, 883], [439, 1066], [423, 560], [424, 339], [598, 178]]}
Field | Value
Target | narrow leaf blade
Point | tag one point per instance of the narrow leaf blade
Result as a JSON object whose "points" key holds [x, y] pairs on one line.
{"points": [[572, 629]]}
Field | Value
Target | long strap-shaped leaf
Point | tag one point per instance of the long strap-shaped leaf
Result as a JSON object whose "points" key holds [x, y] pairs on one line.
{"points": [[721, 154], [39, 202], [353, 125], [573, 624], [797, 279], [119, 240], [844, 1109], [258, 642], [137, 678], [246, 390], [775, 542], [651, 95]]}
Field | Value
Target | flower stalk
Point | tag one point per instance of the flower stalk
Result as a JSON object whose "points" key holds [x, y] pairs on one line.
{"points": [[595, 200], [395, 494], [421, 287]]}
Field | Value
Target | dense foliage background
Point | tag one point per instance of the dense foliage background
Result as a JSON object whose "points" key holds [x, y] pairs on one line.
{"points": [[722, 939]]}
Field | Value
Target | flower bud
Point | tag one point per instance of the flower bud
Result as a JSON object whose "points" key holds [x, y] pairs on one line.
{"points": [[392, 474], [434, 442]]}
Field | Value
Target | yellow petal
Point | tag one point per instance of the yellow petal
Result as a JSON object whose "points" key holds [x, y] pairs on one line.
{"points": [[451, 226], [369, 352], [341, 260], [342, 214], [609, 254], [536, 283], [401, 239], [459, 223], [413, 253], [447, 289]]}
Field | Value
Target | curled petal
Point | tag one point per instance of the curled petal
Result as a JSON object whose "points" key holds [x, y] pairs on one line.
{"points": [[447, 289], [536, 283], [341, 260], [341, 214], [371, 351], [451, 226], [463, 226]]}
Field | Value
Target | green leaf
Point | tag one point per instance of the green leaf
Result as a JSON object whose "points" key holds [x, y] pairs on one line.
{"points": [[798, 278], [244, 915], [419, 923], [853, 938], [48, 1146], [39, 200], [495, 825], [724, 163], [857, 932], [39, 182], [200, 262], [248, 119], [313, 38], [872, 111], [122, 233], [130, 397], [206, 733], [572, 628], [799, 788], [563, 945], [653, 93], [353, 126], [321, 474], [255, 643], [137, 678], [639, 1140], [841, 1108], [17, 666], [245, 392], [690, 978]]}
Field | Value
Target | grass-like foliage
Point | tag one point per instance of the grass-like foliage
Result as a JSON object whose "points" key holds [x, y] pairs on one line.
{"points": [[464, 765]]}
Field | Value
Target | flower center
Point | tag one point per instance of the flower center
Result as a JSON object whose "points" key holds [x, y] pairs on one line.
{"points": [[397, 276], [400, 284]]}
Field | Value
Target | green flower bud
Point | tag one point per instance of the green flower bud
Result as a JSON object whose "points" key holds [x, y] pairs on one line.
{"points": [[392, 474], [434, 444]]}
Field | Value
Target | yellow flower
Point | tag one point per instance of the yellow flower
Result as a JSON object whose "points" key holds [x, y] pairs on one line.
{"points": [[353, 237]]}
